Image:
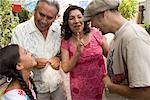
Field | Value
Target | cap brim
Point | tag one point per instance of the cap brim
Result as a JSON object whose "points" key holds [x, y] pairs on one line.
{"points": [[86, 18]]}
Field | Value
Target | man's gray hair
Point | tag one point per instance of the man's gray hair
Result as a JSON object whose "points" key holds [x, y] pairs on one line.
{"points": [[49, 2]]}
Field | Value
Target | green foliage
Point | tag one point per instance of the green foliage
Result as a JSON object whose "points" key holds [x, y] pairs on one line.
{"points": [[128, 8], [7, 22], [147, 27], [23, 15]]}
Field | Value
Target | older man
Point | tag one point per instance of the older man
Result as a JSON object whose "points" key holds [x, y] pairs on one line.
{"points": [[41, 36], [128, 61]]}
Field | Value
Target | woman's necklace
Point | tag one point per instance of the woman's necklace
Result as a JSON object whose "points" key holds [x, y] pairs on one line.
{"points": [[82, 39]]}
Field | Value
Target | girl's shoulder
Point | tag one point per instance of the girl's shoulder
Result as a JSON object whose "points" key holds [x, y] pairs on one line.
{"points": [[13, 94]]}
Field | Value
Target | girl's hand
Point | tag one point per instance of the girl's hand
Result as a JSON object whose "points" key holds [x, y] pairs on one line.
{"points": [[41, 62]]}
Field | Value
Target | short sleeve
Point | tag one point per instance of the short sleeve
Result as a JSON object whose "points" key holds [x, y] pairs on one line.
{"points": [[12, 95], [17, 35], [98, 35], [65, 44], [138, 63]]}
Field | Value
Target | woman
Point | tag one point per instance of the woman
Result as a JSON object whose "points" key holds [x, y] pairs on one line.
{"points": [[82, 52], [15, 67]]}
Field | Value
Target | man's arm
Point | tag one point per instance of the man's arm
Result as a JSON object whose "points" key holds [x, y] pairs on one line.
{"points": [[141, 93]]}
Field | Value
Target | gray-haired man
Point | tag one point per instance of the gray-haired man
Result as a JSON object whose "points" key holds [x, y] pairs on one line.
{"points": [[41, 36]]}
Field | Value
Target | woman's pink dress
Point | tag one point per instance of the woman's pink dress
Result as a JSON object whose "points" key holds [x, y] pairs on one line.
{"points": [[86, 77]]}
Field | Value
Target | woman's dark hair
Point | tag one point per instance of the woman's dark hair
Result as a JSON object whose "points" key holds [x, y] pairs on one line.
{"points": [[9, 57], [66, 31]]}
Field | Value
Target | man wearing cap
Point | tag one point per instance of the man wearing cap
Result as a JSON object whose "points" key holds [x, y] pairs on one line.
{"points": [[128, 63]]}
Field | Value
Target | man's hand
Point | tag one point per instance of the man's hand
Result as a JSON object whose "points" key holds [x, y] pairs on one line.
{"points": [[41, 62], [55, 62], [107, 81]]}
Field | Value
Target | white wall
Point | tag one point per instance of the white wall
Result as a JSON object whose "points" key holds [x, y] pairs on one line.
{"points": [[147, 12]]}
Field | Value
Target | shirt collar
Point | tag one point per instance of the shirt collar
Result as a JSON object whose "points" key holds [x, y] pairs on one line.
{"points": [[117, 33]]}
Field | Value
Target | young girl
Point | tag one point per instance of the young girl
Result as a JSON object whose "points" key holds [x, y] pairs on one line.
{"points": [[15, 65]]}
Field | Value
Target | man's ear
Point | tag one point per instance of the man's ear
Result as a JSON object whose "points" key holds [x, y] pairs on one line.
{"points": [[19, 66], [107, 13], [104, 13]]}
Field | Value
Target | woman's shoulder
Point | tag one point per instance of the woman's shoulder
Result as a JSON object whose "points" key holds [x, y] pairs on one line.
{"points": [[96, 32], [65, 43]]}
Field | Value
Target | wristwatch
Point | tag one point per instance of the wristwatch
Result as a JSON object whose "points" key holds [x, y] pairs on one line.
{"points": [[107, 91]]}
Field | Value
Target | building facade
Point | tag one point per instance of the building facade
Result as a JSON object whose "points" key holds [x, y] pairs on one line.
{"points": [[144, 12]]}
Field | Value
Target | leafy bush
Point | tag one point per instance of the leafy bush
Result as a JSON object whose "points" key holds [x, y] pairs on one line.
{"points": [[7, 22], [128, 8], [23, 15], [147, 27]]}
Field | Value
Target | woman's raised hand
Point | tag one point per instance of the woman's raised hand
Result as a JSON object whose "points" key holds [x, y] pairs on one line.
{"points": [[80, 45]]}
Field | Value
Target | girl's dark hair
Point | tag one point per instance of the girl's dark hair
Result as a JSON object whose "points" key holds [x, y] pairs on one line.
{"points": [[66, 31], [9, 57]]}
